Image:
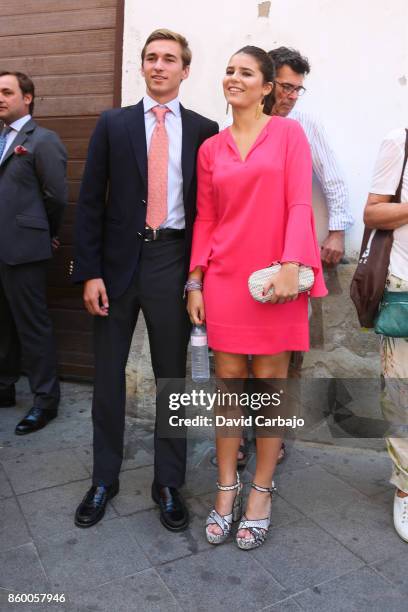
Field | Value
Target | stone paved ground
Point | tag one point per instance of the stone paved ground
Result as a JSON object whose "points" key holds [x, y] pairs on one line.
{"points": [[332, 545]]}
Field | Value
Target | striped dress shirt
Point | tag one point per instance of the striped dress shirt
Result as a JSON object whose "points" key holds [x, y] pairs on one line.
{"points": [[327, 172]]}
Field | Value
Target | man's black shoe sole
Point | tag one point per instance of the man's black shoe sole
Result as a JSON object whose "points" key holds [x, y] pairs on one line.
{"points": [[91, 524], [183, 527]]}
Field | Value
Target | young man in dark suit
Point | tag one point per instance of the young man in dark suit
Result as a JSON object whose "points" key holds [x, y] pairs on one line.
{"points": [[133, 240], [33, 195]]}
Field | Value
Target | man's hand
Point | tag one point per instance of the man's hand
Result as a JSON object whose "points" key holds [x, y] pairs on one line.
{"points": [[95, 297], [332, 249]]}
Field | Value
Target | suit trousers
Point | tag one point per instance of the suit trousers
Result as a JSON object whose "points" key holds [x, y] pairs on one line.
{"points": [[157, 290], [26, 338]]}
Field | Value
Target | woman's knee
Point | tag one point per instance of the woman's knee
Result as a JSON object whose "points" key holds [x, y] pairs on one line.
{"points": [[271, 366], [231, 366]]}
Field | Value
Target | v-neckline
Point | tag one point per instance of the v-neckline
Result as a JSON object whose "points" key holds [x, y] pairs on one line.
{"points": [[253, 145]]}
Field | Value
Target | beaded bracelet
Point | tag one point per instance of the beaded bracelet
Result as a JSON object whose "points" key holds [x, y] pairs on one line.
{"points": [[192, 285]]}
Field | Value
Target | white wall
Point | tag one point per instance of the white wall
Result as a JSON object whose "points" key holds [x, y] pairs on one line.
{"points": [[358, 50]]}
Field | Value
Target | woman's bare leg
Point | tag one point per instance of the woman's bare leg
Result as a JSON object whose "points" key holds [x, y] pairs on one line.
{"points": [[267, 448], [227, 365]]}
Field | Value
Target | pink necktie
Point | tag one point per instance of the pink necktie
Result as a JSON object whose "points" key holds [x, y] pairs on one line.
{"points": [[158, 161]]}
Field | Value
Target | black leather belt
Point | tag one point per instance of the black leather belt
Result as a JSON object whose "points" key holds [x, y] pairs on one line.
{"points": [[167, 233]]}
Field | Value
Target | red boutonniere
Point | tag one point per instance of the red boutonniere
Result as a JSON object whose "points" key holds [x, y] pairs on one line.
{"points": [[20, 150]]}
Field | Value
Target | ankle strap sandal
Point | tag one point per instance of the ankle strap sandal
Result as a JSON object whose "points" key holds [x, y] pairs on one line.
{"points": [[270, 490], [258, 528], [225, 522]]}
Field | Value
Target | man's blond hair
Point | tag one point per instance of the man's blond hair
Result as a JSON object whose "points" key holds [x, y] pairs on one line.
{"points": [[164, 34]]}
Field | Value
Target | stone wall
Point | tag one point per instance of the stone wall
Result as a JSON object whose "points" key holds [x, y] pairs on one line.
{"points": [[339, 347], [140, 386]]}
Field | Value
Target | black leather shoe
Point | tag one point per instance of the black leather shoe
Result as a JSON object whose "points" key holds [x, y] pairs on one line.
{"points": [[8, 399], [35, 419], [173, 511], [93, 506]]}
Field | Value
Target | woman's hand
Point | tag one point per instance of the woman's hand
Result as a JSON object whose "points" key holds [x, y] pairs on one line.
{"points": [[195, 307], [285, 284]]}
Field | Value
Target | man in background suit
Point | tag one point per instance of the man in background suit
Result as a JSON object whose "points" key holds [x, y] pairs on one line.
{"points": [[32, 199], [133, 240]]}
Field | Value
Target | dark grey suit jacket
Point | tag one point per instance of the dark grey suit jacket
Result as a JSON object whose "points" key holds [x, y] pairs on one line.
{"points": [[33, 194]]}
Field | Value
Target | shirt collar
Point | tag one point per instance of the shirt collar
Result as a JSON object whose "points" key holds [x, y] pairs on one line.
{"points": [[172, 105], [19, 123]]}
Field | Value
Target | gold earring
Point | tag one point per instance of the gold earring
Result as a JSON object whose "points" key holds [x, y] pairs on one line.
{"points": [[227, 109], [259, 108]]}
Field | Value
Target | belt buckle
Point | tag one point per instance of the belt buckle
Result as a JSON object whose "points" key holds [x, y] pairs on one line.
{"points": [[145, 239]]}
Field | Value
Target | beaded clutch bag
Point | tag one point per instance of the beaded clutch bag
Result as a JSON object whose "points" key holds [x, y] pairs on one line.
{"points": [[257, 280]]}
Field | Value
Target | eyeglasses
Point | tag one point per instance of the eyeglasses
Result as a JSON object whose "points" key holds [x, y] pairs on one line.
{"points": [[290, 89]]}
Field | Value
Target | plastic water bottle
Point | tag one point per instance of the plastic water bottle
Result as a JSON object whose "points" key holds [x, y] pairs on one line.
{"points": [[200, 363]]}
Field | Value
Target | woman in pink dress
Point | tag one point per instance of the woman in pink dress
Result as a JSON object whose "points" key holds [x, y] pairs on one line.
{"points": [[253, 208]]}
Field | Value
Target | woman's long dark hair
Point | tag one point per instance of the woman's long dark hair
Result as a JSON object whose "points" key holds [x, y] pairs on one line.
{"points": [[267, 67]]}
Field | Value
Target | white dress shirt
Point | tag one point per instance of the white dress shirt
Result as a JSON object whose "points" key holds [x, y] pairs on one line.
{"points": [[326, 170], [387, 175], [172, 119], [15, 128]]}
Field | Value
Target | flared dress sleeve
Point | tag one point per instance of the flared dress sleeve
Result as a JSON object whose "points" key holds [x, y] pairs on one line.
{"points": [[206, 219], [301, 243]]}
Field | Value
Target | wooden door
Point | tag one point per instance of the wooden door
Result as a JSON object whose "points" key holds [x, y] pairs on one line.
{"points": [[72, 49]]}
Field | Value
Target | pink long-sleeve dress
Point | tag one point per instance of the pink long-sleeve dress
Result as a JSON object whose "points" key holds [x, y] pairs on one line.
{"points": [[251, 213]]}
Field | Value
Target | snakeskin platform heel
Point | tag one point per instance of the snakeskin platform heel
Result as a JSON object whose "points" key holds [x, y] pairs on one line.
{"points": [[225, 522], [258, 527]]}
